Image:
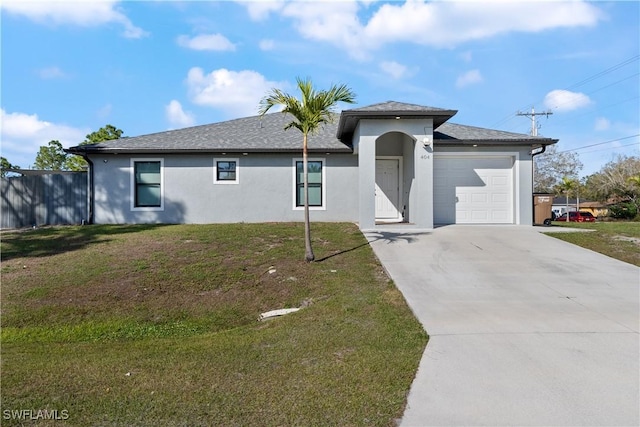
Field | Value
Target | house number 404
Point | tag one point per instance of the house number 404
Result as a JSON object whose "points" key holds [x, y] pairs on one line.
{"points": [[424, 156]]}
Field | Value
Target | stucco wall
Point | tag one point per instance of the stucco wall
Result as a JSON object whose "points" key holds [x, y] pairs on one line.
{"points": [[417, 166], [264, 192]]}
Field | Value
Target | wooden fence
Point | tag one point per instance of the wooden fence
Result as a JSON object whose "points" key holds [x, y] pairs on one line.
{"points": [[48, 199]]}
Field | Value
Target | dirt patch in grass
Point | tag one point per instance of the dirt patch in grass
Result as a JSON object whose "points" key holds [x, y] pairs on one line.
{"points": [[635, 240], [157, 325], [620, 240], [160, 276]]}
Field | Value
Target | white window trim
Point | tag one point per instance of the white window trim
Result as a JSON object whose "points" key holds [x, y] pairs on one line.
{"points": [[133, 184], [215, 170], [324, 184]]}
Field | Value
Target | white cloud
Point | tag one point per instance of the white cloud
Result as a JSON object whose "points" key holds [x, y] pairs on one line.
{"points": [[564, 100], [177, 116], [260, 10], [84, 14], [236, 92], [602, 123], [469, 78], [267, 44], [23, 134], [334, 22], [437, 24], [51, 73], [466, 56], [394, 69], [215, 42], [447, 24]]}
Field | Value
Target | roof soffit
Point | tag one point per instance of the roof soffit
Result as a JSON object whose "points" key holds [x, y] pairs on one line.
{"points": [[390, 110]]}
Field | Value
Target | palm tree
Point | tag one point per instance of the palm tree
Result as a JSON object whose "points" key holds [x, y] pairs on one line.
{"points": [[309, 113], [566, 186]]}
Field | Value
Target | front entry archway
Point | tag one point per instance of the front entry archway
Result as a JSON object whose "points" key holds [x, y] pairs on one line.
{"points": [[388, 189]]}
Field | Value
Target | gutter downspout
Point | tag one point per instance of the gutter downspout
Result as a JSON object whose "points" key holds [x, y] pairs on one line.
{"points": [[90, 197], [533, 168]]}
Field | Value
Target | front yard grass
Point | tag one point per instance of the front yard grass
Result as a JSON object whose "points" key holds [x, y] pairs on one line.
{"points": [[157, 325], [620, 240]]}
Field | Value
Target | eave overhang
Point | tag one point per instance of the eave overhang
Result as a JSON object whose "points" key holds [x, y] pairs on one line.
{"points": [[349, 119], [150, 151]]}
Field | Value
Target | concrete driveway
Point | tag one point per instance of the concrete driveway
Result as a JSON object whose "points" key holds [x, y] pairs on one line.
{"points": [[525, 330]]}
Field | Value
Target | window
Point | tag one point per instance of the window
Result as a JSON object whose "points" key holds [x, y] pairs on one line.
{"points": [[147, 184], [225, 171], [315, 183]]}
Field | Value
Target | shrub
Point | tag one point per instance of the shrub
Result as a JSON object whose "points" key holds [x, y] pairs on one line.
{"points": [[623, 211]]}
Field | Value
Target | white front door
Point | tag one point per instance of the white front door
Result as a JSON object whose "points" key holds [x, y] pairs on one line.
{"points": [[388, 190]]}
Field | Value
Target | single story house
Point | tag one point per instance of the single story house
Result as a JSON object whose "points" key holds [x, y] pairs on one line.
{"points": [[561, 205], [385, 163], [597, 209]]}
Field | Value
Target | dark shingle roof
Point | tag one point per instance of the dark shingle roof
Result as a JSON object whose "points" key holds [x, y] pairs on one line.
{"points": [[389, 110], [266, 134], [391, 107], [455, 134], [249, 134]]}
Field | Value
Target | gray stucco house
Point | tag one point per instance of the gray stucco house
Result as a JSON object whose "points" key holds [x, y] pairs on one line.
{"points": [[384, 163]]}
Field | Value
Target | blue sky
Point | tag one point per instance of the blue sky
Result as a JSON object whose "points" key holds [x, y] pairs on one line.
{"points": [[69, 68]]}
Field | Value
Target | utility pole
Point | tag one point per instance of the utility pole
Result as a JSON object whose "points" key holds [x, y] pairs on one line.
{"points": [[532, 115]]}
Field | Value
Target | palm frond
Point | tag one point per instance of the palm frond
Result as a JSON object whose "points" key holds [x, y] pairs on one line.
{"points": [[313, 109]]}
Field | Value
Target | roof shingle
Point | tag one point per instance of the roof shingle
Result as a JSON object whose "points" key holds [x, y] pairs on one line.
{"points": [[266, 134]]}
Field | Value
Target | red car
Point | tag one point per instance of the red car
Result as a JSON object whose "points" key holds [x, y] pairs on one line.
{"points": [[577, 217]]}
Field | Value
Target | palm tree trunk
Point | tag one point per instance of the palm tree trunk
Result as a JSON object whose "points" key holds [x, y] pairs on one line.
{"points": [[308, 251]]}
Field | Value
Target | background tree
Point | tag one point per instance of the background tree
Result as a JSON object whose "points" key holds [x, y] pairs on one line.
{"points": [[587, 191], [617, 181], [51, 157], [4, 165], [106, 133], [567, 186], [313, 110], [552, 166]]}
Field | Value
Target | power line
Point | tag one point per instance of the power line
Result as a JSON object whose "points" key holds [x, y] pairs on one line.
{"points": [[601, 88], [582, 82], [613, 84], [599, 143], [605, 72], [532, 115], [589, 113], [610, 148]]}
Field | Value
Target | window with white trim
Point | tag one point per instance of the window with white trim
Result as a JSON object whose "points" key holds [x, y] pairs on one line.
{"points": [[225, 171], [147, 184], [316, 183]]}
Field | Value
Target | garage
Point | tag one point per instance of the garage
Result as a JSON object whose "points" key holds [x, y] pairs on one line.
{"points": [[473, 190]]}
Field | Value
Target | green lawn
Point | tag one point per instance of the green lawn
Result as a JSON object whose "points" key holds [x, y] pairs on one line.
{"points": [[157, 325], [620, 240]]}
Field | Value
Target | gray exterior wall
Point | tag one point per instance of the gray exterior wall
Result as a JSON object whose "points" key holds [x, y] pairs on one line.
{"points": [[264, 192], [374, 138], [265, 188], [50, 199]]}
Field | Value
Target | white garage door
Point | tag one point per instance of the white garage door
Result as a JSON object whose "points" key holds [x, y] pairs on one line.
{"points": [[473, 190]]}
